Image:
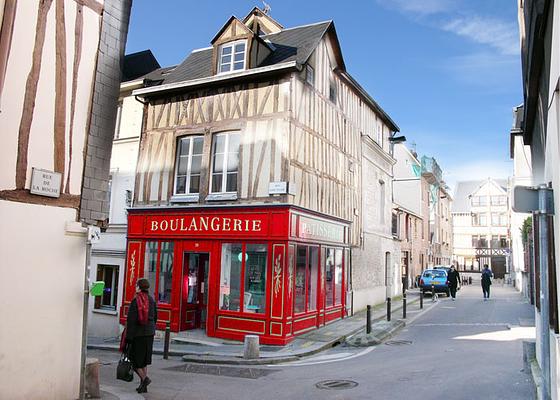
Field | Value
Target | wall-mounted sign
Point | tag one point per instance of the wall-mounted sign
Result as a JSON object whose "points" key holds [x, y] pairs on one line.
{"points": [[45, 183], [278, 188], [199, 224], [311, 228]]}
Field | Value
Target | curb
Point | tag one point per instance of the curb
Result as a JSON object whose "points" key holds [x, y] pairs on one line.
{"points": [[237, 360]]}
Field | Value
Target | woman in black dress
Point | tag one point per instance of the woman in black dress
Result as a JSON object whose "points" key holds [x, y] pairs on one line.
{"points": [[140, 331]]}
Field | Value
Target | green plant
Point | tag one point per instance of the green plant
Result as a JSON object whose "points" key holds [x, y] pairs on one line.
{"points": [[526, 229]]}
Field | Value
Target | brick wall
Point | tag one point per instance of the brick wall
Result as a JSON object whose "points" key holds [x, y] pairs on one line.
{"points": [[94, 208]]}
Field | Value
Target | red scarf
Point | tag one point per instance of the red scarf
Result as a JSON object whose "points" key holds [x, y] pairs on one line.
{"points": [[143, 303]]}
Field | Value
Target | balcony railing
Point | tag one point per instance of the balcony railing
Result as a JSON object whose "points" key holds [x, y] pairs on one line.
{"points": [[431, 168]]}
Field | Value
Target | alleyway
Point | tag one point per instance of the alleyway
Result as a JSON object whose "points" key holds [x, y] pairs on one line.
{"points": [[457, 350]]}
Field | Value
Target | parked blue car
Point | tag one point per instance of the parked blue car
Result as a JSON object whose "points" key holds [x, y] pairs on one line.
{"points": [[436, 278]]}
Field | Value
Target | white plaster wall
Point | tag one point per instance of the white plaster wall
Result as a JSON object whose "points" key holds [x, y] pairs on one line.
{"points": [[131, 118], [407, 193], [42, 269]]}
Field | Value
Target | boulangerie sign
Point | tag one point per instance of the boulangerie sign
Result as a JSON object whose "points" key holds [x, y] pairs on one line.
{"points": [[227, 224]]}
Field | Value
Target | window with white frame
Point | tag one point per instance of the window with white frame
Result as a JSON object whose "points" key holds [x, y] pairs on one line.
{"points": [[232, 57], [188, 164], [309, 75], [225, 162], [110, 275]]}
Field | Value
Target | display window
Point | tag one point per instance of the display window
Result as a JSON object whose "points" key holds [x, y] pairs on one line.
{"points": [[333, 277], [158, 269], [307, 269], [243, 277]]}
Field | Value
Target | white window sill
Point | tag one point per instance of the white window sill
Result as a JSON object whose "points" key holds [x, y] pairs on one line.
{"points": [[103, 311], [185, 198], [221, 196]]}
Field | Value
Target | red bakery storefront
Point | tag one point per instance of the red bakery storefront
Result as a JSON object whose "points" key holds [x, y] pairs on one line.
{"points": [[273, 271]]}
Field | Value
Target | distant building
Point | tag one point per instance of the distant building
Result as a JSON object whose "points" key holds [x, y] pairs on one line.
{"points": [[59, 76], [481, 217], [521, 257], [440, 231], [108, 255], [411, 213]]}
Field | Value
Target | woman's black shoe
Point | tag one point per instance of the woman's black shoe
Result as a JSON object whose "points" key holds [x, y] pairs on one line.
{"points": [[143, 388]]}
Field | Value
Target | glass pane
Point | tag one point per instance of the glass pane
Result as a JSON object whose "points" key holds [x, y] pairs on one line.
{"points": [[196, 161], [254, 299], [299, 298], [226, 50], [231, 184], [218, 165], [216, 183], [150, 264], [197, 145], [195, 184], [240, 47], [238, 56], [338, 277], [181, 182], [237, 65], [166, 270], [226, 59], [183, 164], [230, 278], [192, 296], [225, 67], [219, 144], [233, 146], [184, 148], [232, 162], [108, 278], [312, 282], [329, 277]]}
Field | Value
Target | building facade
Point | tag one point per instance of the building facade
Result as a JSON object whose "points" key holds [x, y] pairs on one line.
{"points": [[411, 214], [440, 229], [540, 55], [249, 207], [519, 222], [481, 226], [108, 255], [58, 87]]}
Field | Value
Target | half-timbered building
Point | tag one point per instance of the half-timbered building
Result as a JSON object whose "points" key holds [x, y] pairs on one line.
{"points": [[257, 157]]}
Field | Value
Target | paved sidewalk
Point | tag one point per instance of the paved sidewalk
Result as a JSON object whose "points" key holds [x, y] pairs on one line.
{"points": [[202, 349]]}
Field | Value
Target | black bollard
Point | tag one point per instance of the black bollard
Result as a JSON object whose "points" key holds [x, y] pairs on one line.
{"points": [[433, 293], [388, 308], [166, 341], [404, 305], [421, 299], [368, 319]]}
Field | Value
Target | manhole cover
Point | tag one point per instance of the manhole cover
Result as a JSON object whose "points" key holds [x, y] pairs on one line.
{"points": [[398, 342], [336, 384]]}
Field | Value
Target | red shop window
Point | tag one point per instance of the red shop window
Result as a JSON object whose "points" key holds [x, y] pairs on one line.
{"points": [[158, 269], [307, 268], [243, 276], [333, 277]]}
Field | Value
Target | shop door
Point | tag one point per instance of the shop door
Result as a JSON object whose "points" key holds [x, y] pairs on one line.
{"points": [[194, 300]]}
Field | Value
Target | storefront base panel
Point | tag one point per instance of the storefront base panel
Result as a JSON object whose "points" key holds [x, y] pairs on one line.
{"points": [[263, 339], [333, 314]]}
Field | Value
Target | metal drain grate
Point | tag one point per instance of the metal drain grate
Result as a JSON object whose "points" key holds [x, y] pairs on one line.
{"points": [[398, 342], [336, 384]]}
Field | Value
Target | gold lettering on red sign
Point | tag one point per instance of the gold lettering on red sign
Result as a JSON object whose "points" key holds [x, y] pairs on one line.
{"points": [[205, 224]]}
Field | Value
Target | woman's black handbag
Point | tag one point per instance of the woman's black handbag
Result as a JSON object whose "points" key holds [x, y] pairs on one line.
{"points": [[124, 369]]}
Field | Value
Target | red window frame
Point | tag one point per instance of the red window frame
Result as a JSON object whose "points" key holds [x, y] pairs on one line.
{"points": [[307, 278], [242, 277]]}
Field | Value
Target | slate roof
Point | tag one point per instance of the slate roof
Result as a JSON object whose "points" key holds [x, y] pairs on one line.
{"points": [[137, 64], [461, 201], [295, 44]]}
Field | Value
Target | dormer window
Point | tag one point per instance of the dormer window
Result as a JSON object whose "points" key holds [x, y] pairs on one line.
{"points": [[232, 57]]}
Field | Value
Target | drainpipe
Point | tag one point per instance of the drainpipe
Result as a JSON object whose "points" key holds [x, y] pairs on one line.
{"points": [[545, 209]]}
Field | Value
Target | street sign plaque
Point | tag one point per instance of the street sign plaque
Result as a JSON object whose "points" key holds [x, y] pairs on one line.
{"points": [[525, 199]]}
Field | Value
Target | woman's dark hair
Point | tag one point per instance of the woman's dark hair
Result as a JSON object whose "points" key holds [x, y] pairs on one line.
{"points": [[143, 284]]}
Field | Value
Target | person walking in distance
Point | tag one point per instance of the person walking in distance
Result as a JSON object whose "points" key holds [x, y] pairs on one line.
{"points": [[453, 280], [486, 281], [140, 331]]}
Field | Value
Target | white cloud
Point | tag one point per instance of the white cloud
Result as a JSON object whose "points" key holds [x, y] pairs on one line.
{"points": [[496, 33]]}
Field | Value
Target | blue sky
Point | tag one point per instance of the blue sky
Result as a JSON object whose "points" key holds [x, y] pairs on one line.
{"points": [[447, 71]]}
